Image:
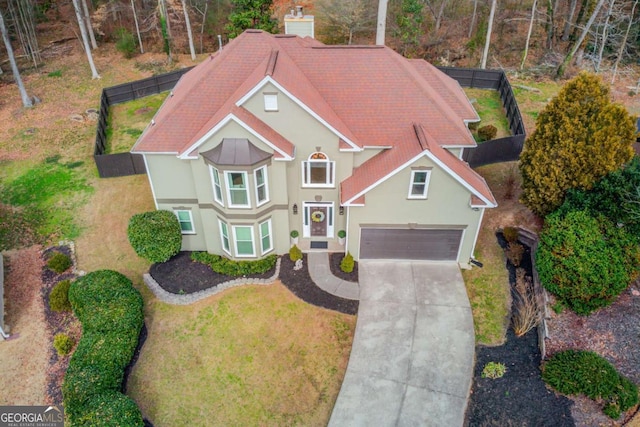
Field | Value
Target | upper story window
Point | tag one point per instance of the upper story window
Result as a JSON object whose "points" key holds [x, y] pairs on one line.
{"points": [[318, 171], [270, 102], [217, 187], [186, 221], [262, 186], [237, 190], [419, 184]]}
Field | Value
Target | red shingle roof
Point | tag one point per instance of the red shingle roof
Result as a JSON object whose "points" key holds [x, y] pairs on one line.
{"points": [[368, 95]]}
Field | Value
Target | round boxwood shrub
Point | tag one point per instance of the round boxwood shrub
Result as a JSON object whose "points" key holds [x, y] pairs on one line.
{"points": [[487, 133], [59, 296], [58, 262], [155, 235], [585, 261], [574, 372], [63, 344]]}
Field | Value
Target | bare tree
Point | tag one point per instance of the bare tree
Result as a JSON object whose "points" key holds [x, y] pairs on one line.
{"points": [[563, 66], [189, 34], [569, 21], [487, 41], [85, 40], [22, 16], [604, 36], [87, 23], [135, 19], [26, 101], [473, 17], [382, 22], [346, 18], [526, 46], [623, 44]]}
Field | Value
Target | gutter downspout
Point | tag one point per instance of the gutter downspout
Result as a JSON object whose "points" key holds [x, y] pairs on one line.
{"points": [[5, 336]]}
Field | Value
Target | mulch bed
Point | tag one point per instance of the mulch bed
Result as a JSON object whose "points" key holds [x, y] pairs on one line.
{"points": [[335, 258], [57, 322], [520, 397], [180, 275], [299, 282]]}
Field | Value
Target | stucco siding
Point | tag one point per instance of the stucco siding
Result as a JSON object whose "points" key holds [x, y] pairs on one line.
{"points": [[171, 177], [447, 205]]}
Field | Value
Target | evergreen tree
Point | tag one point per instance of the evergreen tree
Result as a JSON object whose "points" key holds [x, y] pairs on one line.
{"points": [[251, 14], [580, 136]]}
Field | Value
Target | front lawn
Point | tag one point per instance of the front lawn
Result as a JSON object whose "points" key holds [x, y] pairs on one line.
{"points": [[249, 356]]}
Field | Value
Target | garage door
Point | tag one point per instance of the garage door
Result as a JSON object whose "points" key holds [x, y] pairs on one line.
{"points": [[402, 243]]}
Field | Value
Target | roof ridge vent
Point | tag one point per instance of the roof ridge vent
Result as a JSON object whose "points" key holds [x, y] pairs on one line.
{"points": [[422, 138], [271, 66]]}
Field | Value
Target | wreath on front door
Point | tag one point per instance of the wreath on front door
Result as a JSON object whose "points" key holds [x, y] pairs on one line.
{"points": [[317, 216]]}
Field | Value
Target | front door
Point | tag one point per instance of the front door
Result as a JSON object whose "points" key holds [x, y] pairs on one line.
{"points": [[318, 221]]}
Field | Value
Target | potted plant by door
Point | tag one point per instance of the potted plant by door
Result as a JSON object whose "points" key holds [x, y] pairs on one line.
{"points": [[341, 236], [294, 237]]}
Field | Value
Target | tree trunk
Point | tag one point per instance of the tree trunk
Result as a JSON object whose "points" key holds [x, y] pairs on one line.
{"points": [[487, 40], [382, 23], [473, 17], [563, 66], [604, 36], [580, 18], [624, 43], [135, 19], [167, 37], [526, 46], [189, 34], [14, 67], [87, 22], [85, 40], [569, 21], [204, 20], [440, 14], [550, 25]]}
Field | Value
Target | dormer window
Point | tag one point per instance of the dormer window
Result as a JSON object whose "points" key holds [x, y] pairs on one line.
{"points": [[270, 102], [318, 171]]}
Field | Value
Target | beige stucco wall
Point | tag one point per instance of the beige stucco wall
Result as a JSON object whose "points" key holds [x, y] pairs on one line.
{"points": [[447, 204]]}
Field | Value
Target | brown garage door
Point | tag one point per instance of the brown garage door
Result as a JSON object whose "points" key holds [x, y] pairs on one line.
{"points": [[398, 243]]}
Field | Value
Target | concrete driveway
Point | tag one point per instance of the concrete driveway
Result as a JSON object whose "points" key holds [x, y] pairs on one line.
{"points": [[412, 358]]}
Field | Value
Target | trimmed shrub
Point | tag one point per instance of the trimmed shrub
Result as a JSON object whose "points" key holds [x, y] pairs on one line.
{"points": [[585, 261], [295, 253], [63, 344], [155, 235], [226, 266], [510, 234], [59, 262], [473, 126], [574, 372], [487, 133], [347, 264], [294, 234], [59, 296], [111, 313], [342, 234]]}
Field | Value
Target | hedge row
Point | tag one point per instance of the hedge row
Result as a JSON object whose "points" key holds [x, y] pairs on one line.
{"points": [[111, 313], [222, 265], [574, 372]]}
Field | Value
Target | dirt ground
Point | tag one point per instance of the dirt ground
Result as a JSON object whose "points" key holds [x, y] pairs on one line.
{"points": [[25, 355]]}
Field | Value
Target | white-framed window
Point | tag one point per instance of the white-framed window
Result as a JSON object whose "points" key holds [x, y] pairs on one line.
{"points": [[186, 221], [217, 187], [318, 171], [266, 244], [419, 184], [243, 239], [270, 102], [224, 236], [237, 190], [262, 185]]}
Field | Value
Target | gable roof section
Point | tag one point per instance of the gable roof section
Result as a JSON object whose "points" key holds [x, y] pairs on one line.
{"points": [[386, 164], [365, 93]]}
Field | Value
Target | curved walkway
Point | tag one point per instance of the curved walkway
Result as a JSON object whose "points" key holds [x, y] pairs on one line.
{"points": [[320, 273], [411, 363]]}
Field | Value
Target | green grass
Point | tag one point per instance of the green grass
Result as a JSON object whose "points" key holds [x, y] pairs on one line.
{"points": [[250, 356], [44, 198], [489, 108], [128, 120], [531, 102]]}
